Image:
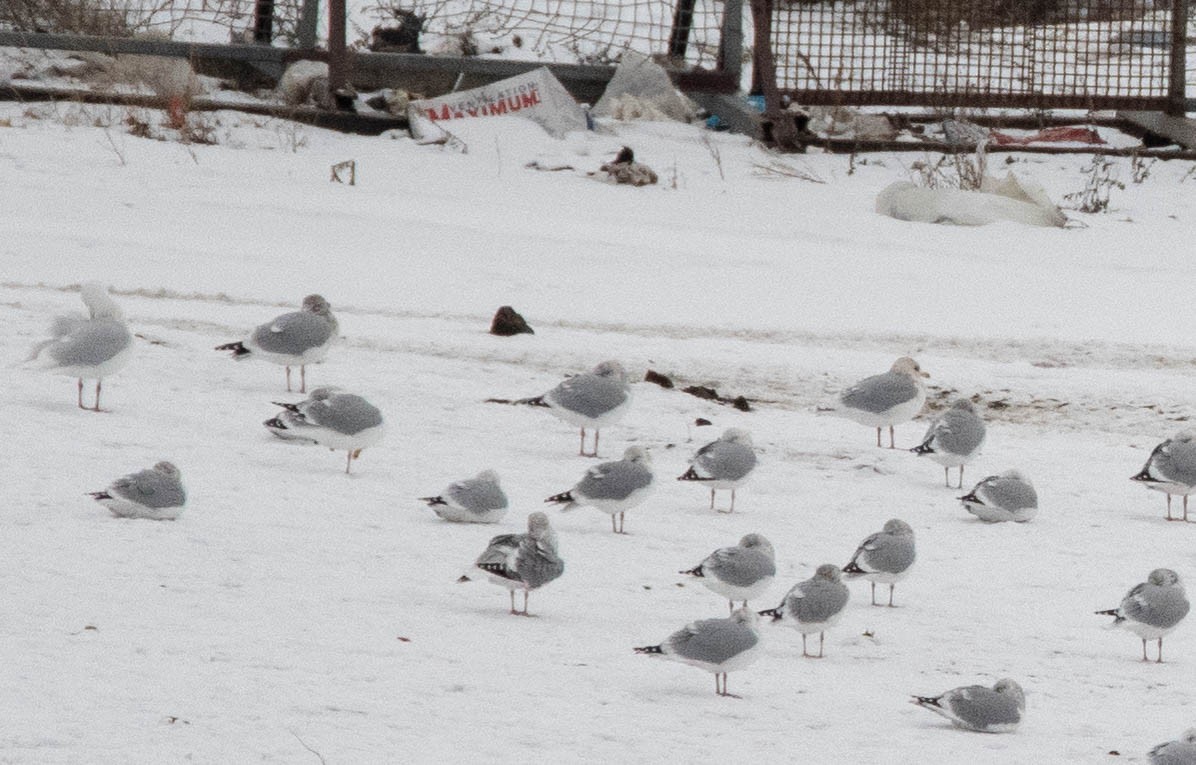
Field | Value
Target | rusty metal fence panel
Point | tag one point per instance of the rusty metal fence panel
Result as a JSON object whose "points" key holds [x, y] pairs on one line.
{"points": [[1090, 54]]}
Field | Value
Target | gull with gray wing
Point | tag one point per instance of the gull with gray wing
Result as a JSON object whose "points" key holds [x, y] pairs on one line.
{"points": [[1009, 496], [293, 339], [612, 487], [521, 561], [954, 439], [814, 605], [1172, 469], [718, 646], [974, 707], [1179, 752], [884, 557], [331, 418], [743, 572], [887, 399], [725, 463], [592, 400], [472, 500], [1152, 609], [156, 494], [91, 348]]}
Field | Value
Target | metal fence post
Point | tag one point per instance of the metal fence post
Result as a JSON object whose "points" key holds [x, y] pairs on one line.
{"points": [[338, 75], [309, 18], [730, 40], [1177, 87], [263, 22], [683, 21]]}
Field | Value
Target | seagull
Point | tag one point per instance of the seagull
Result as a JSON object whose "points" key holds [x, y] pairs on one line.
{"points": [[723, 464], [1006, 497], [954, 439], [521, 561], [293, 339], [715, 645], [330, 418], [156, 494], [474, 500], [591, 400], [612, 487], [1172, 469], [1152, 609], [884, 557], [742, 572], [887, 399], [87, 348], [1180, 752], [973, 707], [814, 605]]}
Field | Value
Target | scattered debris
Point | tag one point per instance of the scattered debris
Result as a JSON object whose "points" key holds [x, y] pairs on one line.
{"points": [[402, 38], [625, 170], [641, 89], [656, 377], [710, 394], [507, 322], [402, 639], [702, 422], [351, 166], [537, 95], [1011, 199]]}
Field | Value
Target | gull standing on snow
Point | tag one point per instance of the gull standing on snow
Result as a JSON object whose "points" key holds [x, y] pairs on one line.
{"points": [[884, 557], [156, 494], [473, 500], [1152, 609], [887, 399], [1181, 752], [743, 572], [973, 707], [293, 339], [591, 400], [814, 605], [612, 487], [90, 348], [330, 418], [954, 439], [718, 646], [1172, 469], [723, 464], [521, 561], [1006, 497]]}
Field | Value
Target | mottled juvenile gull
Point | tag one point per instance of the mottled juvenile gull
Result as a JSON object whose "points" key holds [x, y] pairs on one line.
{"points": [[726, 463], [87, 349], [156, 494], [1006, 497], [1152, 609], [521, 561], [293, 339], [612, 487], [1180, 752], [814, 605], [743, 572], [884, 557], [954, 439], [473, 500], [1172, 469], [330, 418], [718, 646], [973, 707], [887, 399], [591, 400]]}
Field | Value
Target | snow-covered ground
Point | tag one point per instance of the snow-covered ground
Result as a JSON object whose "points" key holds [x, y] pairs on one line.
{"points": [[292, 606]]}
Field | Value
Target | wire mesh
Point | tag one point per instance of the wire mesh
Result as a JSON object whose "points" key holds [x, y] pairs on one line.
{"points": [[1041, 53], [571, 31]]}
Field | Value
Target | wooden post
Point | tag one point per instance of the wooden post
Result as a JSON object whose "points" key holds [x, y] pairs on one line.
{"points": [[263, 22], [338, 75], [1176, 91], [778, 124], [730, 41], [309, 17], [683, 21]]}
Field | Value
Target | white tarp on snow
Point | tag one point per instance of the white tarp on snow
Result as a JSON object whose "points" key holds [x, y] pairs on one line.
{"points": [[537, 95], [1012, 199]]}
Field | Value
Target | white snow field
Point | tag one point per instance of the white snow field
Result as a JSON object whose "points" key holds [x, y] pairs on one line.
{"points": [[295, 614]]}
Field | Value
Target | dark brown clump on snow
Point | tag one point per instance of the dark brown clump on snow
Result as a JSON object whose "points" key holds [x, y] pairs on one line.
{"points": [[656, 377], [508, 322]]}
